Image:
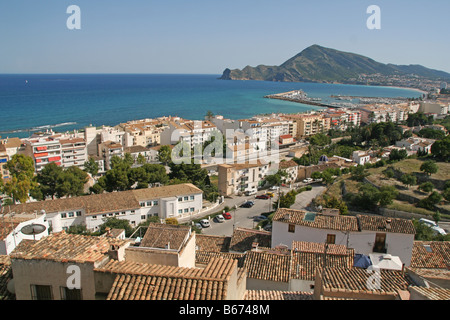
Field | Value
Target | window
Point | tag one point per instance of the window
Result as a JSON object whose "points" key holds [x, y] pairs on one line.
{"points": [[192, 209], [132, 212], [155, 203], [291, 228], [110, 214], [180, 211], [186, 198], [63, 215], [71, 214], [331, 238], [149, 203], [116, 213], [142, 204], [78, 213], [192, 197], [123, 213], [186, 210], [40, 292], [104, 215], [94, 217], [70, 294], [180, 199], [143, 217]]}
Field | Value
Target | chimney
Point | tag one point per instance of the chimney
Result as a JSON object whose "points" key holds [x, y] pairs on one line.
{"points": [[168, 246], [388, 224], [255, 246], [113, 252]]}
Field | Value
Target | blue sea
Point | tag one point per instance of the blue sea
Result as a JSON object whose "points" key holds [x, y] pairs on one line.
{"points": [[31, 103]]}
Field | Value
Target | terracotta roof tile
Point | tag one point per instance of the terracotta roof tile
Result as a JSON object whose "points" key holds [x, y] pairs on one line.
{"points": [[431, 254], [277, 295], [432, 293], [376, 223], [313, 220], [243, 239], [138, 281], [203, 257], [307, 257], [165, 236], [212, 243], [264, 265], [356, 279], [66, 247]]}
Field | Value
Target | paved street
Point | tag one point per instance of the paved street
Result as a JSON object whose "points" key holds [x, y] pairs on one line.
{"points": [[243, 217]]}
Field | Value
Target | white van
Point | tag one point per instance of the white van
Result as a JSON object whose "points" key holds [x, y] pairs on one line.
{"points": [[250, 192]]}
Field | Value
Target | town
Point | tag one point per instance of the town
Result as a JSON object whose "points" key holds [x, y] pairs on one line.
{"points": [[333, 204]]}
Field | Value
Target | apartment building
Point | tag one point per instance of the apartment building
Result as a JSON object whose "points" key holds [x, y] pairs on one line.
{"points": [[109, 149], [73, 152], [309, 124], [385, 112], [134, 205], [237, 179], [145, 132], [341, 119], [44, 150], [191, 132], [365, 234]]}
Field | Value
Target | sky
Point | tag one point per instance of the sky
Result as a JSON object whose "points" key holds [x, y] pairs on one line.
{"points": [[207, 36]]}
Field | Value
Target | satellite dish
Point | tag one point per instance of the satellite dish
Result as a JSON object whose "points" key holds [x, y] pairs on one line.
{"points": [[33, 229]]}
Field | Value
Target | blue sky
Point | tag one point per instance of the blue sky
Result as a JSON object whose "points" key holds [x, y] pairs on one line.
{"points": [[207, 36]]}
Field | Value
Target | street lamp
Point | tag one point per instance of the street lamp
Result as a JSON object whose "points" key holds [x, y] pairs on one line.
{"points": [[234, 216]]}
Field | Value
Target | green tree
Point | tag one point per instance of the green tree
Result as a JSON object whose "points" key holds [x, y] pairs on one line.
{"points": [[286, 200], [426, 187], [429, 202], [48, 179], [114, 223], [141, 159], [396, 154], [71, 182], [96, 189], [429, 167], [446, 194], [408, 179], [91, 166], [359, 173], [387, 194], [389, 173], [437, 217], [21, 169], [316, 175], [165, 154], [441, 149]]}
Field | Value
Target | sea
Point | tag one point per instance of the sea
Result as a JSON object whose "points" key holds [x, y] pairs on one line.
{"points": [[65, 102]]}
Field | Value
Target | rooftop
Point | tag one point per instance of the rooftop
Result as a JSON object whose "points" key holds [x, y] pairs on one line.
{"points": [[344, 223], [243, 239], [431, 254], [266, 265], [432, 293], [139, 281], [64, 247], [165, 236], [212, 243], [277, 295]]}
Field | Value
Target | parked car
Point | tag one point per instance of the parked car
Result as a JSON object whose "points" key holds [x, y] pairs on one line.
{"points": [[270, 194], [263, 196], [259, 218], [433, 225], [250, 192], [198, 225], [219, 218], [268, 227], [227, 215], [247, 204], [308, 180], [274, 188], [204, 223]]}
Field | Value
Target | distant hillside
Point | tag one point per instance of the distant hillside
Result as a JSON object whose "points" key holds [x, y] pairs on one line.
{"points": [[320, 64]]}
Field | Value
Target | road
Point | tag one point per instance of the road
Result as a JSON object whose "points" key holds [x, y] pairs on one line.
{"points": [[243, 217]]}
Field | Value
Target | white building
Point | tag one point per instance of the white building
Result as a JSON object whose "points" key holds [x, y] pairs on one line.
{"points": [[360, 157], [136, 206], [365, 234], [11, 229]]}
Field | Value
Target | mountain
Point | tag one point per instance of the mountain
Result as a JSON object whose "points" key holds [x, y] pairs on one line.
{"points": [[320, 64]]}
